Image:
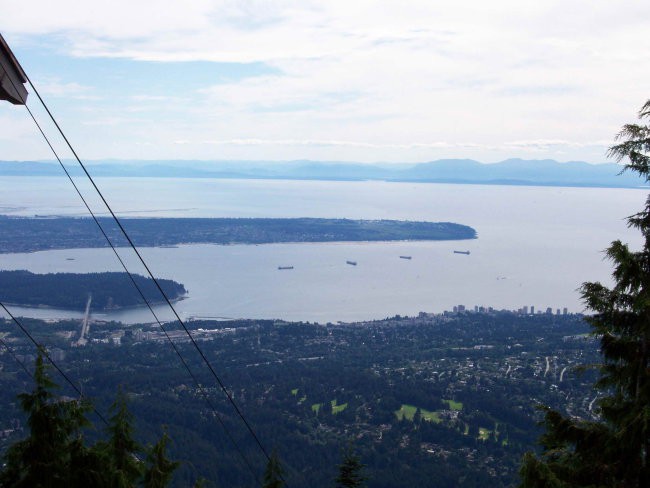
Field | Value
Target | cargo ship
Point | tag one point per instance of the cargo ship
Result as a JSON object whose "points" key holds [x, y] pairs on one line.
{"points": [[405, 257], [352, 263], [285, 267], [462, 252]]}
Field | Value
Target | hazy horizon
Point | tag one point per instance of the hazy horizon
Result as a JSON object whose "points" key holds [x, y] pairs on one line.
{"points": [[304, 160]]}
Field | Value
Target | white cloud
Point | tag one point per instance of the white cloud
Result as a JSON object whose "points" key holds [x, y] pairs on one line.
{"points": [[57, 88], [532, 145], [514, 76], [19, 137], [550, 143], [15, 124], [325, 143]]}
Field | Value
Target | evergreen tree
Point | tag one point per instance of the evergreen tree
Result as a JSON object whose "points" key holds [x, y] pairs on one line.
{"points": [[417, 417], [160, 468], [350, 470], [614, 451], [121, 448], [274, 474], [55, 455], [54, 449]]}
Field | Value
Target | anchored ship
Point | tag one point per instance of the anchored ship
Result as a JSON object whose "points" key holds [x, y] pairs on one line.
{"points": [[462, 252], [353, 263], [405, 257], [285, 267]]}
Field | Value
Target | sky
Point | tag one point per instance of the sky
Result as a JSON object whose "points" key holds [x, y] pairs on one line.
{"points": [[367, 81]]}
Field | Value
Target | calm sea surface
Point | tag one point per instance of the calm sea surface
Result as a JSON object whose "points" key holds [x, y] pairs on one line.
{"points": [[535, 245]]}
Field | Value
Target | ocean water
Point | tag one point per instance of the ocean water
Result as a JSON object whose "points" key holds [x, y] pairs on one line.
{"points": [[535, 246]]}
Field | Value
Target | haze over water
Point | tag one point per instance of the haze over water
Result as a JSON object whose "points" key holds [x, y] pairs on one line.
{"points": [[535, 245]]}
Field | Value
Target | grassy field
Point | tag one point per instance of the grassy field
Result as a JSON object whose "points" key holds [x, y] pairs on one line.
{"points": [[408, 411], [453, 405], [483, 433], [338, 408]]}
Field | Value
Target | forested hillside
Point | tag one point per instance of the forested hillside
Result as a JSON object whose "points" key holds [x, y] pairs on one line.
{"points": [[429, 401], [109, 290]]}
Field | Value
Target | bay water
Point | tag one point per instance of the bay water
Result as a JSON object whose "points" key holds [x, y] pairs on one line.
{"points": [[535, 246]]}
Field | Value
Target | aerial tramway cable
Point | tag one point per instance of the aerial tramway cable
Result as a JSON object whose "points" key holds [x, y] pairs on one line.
{"points": [[200, 388], [12, 353], [142, 261], [49, 358]]}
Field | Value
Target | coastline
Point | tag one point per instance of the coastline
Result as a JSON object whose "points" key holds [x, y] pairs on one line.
{"points": [[32, 234], [101, 310]]}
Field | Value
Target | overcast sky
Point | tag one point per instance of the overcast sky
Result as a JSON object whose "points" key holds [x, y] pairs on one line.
{"points": [[400, 81]]}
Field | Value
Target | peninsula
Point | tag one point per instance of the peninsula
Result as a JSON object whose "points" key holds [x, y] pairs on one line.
{"points": [[28, 234]]}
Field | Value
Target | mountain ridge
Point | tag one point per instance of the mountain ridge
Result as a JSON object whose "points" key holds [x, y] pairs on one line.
{"points": [[542, 172]]}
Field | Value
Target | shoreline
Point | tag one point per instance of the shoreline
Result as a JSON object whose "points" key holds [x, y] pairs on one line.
{"points": [[521, 182], [226, 244], [103, 310]]}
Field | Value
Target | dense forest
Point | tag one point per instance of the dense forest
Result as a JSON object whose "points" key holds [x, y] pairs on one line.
{"points": [[70, 291], [20, 234], [432, 401]]}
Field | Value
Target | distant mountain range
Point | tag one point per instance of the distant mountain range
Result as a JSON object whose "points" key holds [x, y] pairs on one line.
{"points": [[544, 172]]}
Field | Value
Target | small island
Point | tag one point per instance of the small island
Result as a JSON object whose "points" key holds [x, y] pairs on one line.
{"points": [[70, 291], [28, 234]]}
